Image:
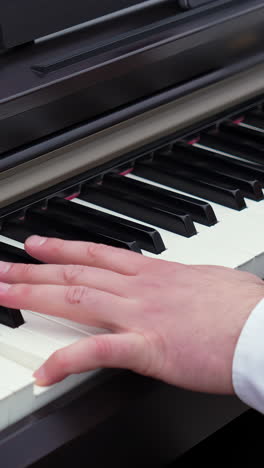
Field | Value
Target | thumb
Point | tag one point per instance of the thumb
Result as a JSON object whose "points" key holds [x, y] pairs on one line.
{"points": [[124, 351]]}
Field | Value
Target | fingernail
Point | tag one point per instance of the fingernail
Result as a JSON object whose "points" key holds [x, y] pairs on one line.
{"points": [[4, 267], [4, 287], [40, 376], [36, 241]]}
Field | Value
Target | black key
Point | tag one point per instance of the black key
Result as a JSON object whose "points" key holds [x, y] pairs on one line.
{"points": [[212, 177], [232, 165], [210, 165], [21, 230], [9, 253], [220, 143], [242, 135], [200, 211], [16, 230], [11, 317], [190, 183], [255, 118], [122, 202], [63, 225], [147, 237], [150, 197]]}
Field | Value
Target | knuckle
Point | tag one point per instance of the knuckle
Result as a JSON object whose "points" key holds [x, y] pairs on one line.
{"points": [[14, 268], [76, 294], [21, 290], [22, 269], [155, 352], [94, 251], [103, 350], [71, 273], [28, 270]]}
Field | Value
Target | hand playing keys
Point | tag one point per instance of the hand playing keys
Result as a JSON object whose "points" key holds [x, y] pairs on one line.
{"points": [[166, 320]]}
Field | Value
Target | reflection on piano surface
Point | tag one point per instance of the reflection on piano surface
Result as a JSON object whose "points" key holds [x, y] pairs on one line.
{"points": [[117, 134]]}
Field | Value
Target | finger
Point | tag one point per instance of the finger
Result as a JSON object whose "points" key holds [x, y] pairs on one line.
{"points": [[77, 303], [85, 253], [123, 351], [97, 278]]}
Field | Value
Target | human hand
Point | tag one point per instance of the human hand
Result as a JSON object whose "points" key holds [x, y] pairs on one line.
{"points": [[170, 321]]}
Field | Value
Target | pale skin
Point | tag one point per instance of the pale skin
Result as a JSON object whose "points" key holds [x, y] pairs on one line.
{"points": [[170, 321]]}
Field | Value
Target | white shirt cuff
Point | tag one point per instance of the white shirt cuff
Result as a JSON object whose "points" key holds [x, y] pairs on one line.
{"points": [[248, 361]]}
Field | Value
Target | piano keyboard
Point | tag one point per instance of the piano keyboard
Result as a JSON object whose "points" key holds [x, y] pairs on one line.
{"points": [[197, 202]]}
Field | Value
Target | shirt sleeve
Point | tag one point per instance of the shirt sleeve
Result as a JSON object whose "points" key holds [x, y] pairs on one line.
{"points": [[248, 361]]}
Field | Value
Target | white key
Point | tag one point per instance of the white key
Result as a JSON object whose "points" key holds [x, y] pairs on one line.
{"points": [[63, 333], [25, 348], [251, 127], [5, 397], [16, 392], [86, 329], [227, 234], [30, 350], [18, 395], [50, 329], [215, 150], [44, 395], [13, 242]]}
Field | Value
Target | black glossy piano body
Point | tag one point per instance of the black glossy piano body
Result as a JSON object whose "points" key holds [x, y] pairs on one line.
{"points": [[95, 81], [69, 80]]}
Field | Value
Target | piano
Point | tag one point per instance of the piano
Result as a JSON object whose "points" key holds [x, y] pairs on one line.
{"points": [[138, 124]]}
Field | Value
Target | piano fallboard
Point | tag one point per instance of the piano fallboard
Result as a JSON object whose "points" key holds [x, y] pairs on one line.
{"points": [[114, 64]]}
